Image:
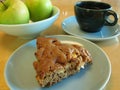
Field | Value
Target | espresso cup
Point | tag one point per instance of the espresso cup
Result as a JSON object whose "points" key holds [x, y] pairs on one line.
{"points": [[92, 15]]}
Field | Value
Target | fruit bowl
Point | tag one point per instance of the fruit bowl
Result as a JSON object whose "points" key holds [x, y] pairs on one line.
{"points": [[33, 29]]}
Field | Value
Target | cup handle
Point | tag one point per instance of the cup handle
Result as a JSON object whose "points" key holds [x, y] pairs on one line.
{"points": [[107, 21]]}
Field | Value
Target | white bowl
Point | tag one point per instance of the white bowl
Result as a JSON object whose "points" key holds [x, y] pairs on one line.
{"points": [[33, 29]]}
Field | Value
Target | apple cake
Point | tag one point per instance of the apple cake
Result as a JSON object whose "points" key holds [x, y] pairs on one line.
{"points": [[56, 61]]}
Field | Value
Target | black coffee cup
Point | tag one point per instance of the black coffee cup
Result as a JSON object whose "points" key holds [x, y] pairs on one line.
{"points": [[92, 15]]}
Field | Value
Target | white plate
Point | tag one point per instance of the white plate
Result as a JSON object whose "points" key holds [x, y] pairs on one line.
{"points": [[20, 74], [71, 26]]}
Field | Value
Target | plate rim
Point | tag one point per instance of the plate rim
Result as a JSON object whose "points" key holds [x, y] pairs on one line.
{"points": [[8, 60], [108, 60], [90, 38]]}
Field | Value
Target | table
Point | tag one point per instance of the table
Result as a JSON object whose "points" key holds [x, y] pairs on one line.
{"points": [[112, 47]]}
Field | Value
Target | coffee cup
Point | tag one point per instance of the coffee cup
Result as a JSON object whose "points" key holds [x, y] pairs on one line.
{"points": [[92, 15]]}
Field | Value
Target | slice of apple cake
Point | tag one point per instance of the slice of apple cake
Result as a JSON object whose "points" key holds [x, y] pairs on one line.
{"points": [[56, 61]]}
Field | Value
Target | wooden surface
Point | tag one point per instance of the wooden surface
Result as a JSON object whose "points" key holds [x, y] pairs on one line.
{"points": [[112, 47]]}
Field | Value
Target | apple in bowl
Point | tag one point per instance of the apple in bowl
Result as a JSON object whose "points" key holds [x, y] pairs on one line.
{"points": [[13, 12], [39, 9], [33, 29]]}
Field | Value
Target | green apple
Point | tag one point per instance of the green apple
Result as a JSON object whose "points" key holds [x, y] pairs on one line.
{"points": [[13, 12], [39, 9]]}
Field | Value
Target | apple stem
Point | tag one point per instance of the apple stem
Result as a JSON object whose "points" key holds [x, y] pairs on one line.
{"points": [[3, 3]]}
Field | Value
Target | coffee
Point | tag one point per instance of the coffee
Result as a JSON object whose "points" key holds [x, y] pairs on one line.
{"points": [[92, 16], [90, 5]]}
